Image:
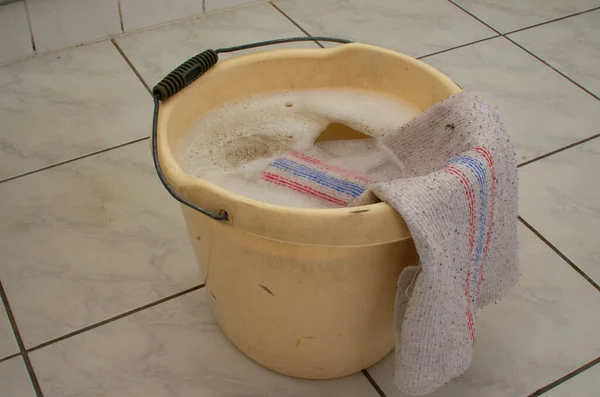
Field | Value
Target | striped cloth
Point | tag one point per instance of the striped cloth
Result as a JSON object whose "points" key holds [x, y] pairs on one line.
{"points": [[457, 193], [330, 185]]}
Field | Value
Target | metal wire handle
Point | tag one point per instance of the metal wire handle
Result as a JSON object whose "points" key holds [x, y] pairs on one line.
{"points": [[184, 75]]}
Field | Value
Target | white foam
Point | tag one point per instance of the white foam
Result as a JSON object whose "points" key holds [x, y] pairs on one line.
{"points": [[232, 145]]}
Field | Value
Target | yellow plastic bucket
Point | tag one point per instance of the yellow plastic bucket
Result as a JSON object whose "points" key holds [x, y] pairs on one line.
{"points": [[305, 292]]}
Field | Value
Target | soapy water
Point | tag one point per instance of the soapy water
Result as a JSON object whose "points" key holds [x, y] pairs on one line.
{"points": [[232, 145]]}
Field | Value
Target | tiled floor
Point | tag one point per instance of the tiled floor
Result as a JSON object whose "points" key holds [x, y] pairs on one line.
{"points": [[99, 283]]}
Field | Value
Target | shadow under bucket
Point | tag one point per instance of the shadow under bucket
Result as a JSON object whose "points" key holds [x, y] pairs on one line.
{"points": [[305, 292]]}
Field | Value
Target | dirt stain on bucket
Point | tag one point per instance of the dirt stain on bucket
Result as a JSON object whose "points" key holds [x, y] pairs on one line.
{"points": [[248, 148], [266, 289], [304, 337]]}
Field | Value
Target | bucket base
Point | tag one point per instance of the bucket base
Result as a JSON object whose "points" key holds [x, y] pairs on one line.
{"points": [[317, 373], [313, 312]]}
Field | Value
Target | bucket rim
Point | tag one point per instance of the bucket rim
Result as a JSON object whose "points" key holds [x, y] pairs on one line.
{"points": [[217, 199]]}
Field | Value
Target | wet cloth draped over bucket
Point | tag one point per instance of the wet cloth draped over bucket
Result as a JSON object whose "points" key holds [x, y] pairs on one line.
{"points": [[458, 196]]}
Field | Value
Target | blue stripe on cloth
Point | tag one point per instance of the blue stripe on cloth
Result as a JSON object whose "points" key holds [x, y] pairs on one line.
{"points": [[480, 173], [477, 168], [300, 170], [359, 189]]}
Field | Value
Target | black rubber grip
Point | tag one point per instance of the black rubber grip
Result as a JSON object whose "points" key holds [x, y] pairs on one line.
{"points": [[185, 74]]}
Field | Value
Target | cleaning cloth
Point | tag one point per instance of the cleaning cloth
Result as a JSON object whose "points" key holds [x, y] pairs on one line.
{"points": [[310, 175], [457, 193]]}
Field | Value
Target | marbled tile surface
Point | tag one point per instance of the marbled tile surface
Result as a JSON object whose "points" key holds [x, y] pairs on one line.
{"points": [[64, 23], [156, 12], [586, 384], [155, 53], [103, 238], [545, 328], [174, 349], [542, 110], [98, 237], [67, 104], [571, 45], [15, 37], [14, 380], [414, 27], [560, 197], [213, 5], [508, 15]]}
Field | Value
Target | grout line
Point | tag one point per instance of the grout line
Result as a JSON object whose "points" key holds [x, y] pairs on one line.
{"points": [[552, 67], [133, 69], [373, 383], [460, 46], [9, 357], [115, 318], [188, 18], [473, 15], [559, 150], [30, 27], [194, 17], [559, 253], [565, 378], [529, 52], [225, 9], [110, 37], [526, 27], [552, 20], [15, 328], [73, 160], [120, 10], [295, 23]]}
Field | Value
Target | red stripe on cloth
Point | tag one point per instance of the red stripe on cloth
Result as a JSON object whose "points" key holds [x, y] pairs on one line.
{"points": [[300, 188], [468, 189], [490, 160], [486, 153], [312, 160]]}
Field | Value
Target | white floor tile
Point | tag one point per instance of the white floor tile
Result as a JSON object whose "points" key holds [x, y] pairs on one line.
{"points": [[508, 15], [212, 5], [15, 36], [14, 380], [546, 328], [63, 23], [90, 240], [67, 104], [571, 45], [586, 384], [560, 198], [172, 350], [142, 13], [542, 110], [157, 52], [414, 27]]}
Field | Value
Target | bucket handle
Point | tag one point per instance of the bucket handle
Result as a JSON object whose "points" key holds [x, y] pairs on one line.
{"points": [[184, 75]]}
